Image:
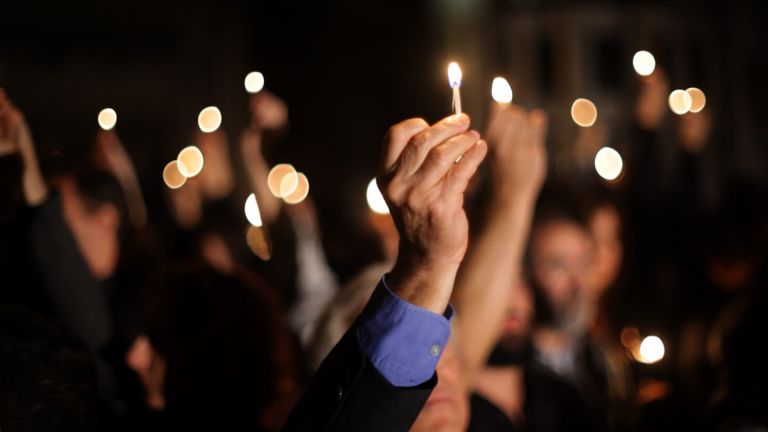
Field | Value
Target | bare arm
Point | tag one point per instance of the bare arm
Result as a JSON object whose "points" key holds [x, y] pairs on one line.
{"points": [[14, 134], [487, 276]]}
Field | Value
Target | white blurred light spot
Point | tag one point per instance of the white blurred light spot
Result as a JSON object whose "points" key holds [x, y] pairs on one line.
{"points": [[501, 91], [608, 163], [275, 180], [644, 63], [680, 102], [190, 161], [584, 112], [252, 212], [301, 191], [254, 82], [698, 99], [651, 350], [172, 177], [107, 118], [375, 199], [209, 119]]}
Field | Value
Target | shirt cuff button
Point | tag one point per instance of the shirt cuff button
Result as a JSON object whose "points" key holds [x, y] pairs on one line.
{"points": [[435, 350]]}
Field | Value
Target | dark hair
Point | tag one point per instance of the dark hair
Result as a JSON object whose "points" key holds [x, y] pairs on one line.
{"points": [[226, 345], [48, 379], [96, 188]]}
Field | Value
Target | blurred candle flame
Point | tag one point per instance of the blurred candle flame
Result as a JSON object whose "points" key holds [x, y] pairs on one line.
{"points": [[254, 82], [501, 90], [107, 118], [190, 161], [680, 102], [644, 63], [209, 119], [375, 199], [252, 212]]}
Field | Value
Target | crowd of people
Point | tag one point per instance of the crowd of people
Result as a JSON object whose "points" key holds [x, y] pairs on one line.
{"points": [[492, 306]]}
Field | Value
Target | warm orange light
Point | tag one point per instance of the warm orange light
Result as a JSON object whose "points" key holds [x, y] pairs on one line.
{"points": [[107, 118], [680, 102], [584, 112], [301, 191], [454, 75], [172, 177], [275, 178], [698, 99], [190, 161], [209, 119]]}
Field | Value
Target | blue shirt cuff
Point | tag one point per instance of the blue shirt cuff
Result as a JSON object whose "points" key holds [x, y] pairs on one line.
{"points": [[403, 341]]}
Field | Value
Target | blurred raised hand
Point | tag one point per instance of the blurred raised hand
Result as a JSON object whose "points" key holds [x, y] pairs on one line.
{"points": [[16, 138]]}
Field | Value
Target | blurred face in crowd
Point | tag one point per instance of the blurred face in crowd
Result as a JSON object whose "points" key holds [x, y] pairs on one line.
{"points": [[150, 366], [95, 228], [447, 409], [605, 227], [561, 255]]}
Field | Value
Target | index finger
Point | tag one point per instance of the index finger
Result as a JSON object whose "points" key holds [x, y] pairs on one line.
{"points": [[419, 146], [397, 138]]}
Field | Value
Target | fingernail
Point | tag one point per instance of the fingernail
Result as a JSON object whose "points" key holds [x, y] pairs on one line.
{"points": [[474, 134], [460, 118]]}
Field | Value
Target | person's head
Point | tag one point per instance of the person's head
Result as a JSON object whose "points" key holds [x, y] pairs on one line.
{"points": [[559, 257], [48, 377], [94, 209], [447, 409], [216, 351]]}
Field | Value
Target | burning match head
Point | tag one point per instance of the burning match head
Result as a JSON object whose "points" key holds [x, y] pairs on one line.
{"points": [[454, 75]]}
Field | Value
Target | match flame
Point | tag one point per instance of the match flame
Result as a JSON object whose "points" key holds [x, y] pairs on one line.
{"points": [[252, 212], [454, 75]]}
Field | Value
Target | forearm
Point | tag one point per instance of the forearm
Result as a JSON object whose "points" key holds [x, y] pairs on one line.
{"points": [[258, 170], [35, 189], [486, 278]]}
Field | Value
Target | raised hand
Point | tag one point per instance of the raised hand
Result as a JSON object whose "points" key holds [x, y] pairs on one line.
{"points": [[424, 186]]}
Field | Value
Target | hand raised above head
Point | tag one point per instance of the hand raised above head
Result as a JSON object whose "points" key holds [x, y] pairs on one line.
{"points": [[423, 175]]}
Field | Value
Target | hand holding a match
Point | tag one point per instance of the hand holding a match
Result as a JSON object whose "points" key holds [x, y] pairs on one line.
{"points": [[424, 186]]}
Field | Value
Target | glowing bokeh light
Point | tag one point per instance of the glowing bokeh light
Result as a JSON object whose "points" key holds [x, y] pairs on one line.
{"points": [[172, 177], [288, 184], [107, 118], [501, 91], [252, 212], [680, 102], [698, 99], [276, 176], [376, 199], [258, 242], [209, 119], [651, 350], [608, 163], [644, 63], [254, 82], [190, 161], [301, 191], [584, 112]]}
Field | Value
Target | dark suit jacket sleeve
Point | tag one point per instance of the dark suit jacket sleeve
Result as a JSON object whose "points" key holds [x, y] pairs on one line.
{"points": [[349, 394]]}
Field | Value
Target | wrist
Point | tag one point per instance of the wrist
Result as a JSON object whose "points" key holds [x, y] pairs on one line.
{"points": [[423, 281]]}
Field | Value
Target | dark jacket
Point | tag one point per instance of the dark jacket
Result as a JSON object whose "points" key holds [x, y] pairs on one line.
{"points": [[348, 394]]}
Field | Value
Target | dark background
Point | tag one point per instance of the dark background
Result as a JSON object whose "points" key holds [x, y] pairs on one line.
{"points": [[348, 70]]}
